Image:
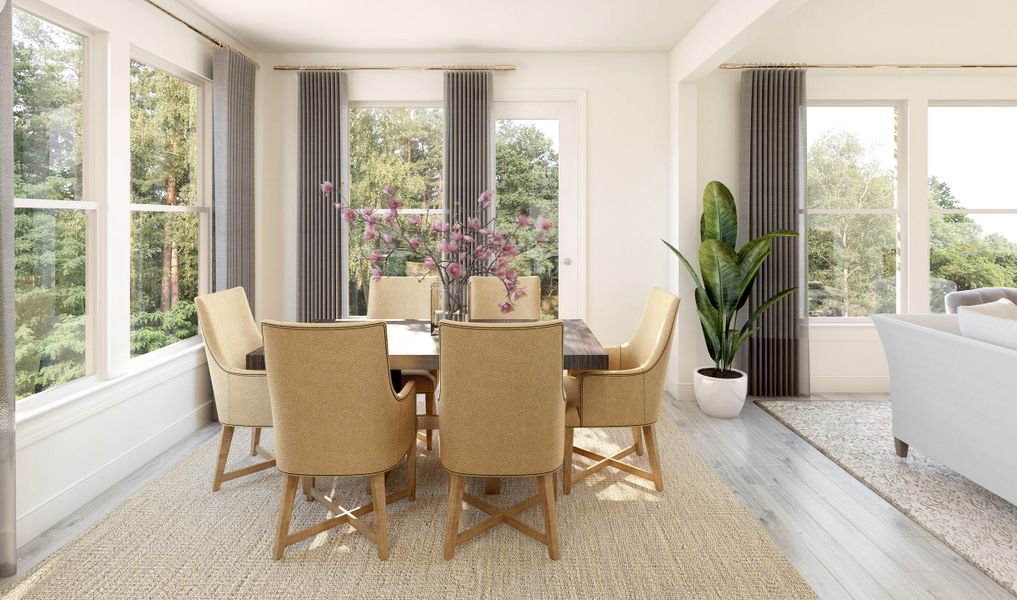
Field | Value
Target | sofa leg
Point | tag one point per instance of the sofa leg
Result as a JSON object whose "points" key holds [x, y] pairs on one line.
{"points": [[901, 448]]}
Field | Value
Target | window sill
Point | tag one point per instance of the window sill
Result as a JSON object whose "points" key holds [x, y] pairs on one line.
{"points": [[70, 404]]}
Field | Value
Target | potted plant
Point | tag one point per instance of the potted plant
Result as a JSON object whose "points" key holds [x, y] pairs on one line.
{"points": [[721, 292]]}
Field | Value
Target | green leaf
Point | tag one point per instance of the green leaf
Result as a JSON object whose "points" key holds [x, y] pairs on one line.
{"points": [[766, 306], [720, 217], [721, 275], [688, 266], [709, 318]]}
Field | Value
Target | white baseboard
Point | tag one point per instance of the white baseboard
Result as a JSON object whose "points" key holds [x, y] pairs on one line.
{"points": [[47, 513], [850, 385]]}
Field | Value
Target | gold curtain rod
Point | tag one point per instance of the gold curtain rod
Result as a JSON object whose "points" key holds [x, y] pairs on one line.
{"points": [[416, 68], [859, 66], [208, 37]]}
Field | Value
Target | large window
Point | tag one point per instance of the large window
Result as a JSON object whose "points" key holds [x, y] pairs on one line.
{"points": [[526, 172], [398, 146], [166, 208], [53, 211], [852, 211], [972, 202]]}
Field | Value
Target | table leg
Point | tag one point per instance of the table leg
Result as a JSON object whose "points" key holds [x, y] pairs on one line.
{"points": [[492, 485]]}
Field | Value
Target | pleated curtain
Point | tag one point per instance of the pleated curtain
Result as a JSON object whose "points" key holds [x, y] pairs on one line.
{"points": [[233, 170], [469, 142], [773, 106], [8, 517], [323, 131]]}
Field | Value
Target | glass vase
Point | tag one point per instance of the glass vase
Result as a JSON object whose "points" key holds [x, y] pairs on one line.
{"points": [[448, 301]]}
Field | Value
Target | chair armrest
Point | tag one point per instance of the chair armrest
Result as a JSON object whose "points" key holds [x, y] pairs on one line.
{"points": [[612, 398], [408, 391]]}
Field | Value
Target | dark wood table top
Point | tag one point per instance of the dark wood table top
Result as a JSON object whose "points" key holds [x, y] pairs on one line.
{"points": [[411, 346]]}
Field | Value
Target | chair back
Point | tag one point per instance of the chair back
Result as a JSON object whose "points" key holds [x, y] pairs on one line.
{"points": [[978, 296], [501, 407], [333, 406], [650, 347], [487, 294], [228, 327], [400, 298]]}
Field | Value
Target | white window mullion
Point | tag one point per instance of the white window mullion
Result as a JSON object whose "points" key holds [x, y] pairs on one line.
{"points": [[915, 230]]}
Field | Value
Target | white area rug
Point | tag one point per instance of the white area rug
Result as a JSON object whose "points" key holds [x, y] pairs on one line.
{"points": [[619, 539], [857, 435]]}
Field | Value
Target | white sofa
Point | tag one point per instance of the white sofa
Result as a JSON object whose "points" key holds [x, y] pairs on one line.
{"points": [[954, 398]]}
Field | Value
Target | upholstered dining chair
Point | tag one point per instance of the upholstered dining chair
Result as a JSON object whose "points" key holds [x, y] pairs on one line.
{"points": [[487, 294], [628, 394], [407, 298], [336, 415], [241, 396], [502, 415]]}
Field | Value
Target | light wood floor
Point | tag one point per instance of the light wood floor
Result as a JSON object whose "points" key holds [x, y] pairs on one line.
{"points": [[844, 539], [841, 536]]}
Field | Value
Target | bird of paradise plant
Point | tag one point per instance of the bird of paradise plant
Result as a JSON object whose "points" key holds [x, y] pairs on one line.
{"points": [[727, 278]]}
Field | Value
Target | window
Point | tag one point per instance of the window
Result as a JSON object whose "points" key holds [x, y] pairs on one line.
{"points": [[526, 176], [972, 204], [852, 211], [398, 146], [53, 211], [166, 208]]}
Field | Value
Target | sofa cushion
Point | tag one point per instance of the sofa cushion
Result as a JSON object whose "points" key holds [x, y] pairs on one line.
{"points": [[993, 322]]}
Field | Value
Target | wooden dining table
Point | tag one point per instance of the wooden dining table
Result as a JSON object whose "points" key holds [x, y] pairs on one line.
{"points": [[411, 346]]}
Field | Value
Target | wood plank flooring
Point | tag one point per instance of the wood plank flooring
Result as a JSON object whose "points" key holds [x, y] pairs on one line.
{"points": [[841, 536], [844, 539]]}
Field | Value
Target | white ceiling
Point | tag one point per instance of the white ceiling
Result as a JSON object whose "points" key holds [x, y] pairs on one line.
{"points": [[462, 25]]}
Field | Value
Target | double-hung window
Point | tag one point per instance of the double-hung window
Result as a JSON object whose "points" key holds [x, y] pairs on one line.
{"points": [[852, 215], [55, 213]]}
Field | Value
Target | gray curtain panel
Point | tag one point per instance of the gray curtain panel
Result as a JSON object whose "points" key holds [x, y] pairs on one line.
{"points": [[324, 149], [469, 142], [772, 192], [233, 170], [8, 516]]}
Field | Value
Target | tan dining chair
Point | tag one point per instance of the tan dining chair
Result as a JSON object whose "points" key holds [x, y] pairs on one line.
{"points": [[628, 394], [241, 396], [487, 294], [502, 415], [407, 298], [336, 415]]}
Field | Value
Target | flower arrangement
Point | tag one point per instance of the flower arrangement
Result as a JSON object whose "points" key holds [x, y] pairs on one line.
{"points": [[452, 251]]}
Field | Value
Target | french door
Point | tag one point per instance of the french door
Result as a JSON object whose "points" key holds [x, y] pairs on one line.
{"points": [[537, 174]]}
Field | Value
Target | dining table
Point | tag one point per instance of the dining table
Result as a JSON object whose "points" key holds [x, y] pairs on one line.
{"points": [[412, 347]]}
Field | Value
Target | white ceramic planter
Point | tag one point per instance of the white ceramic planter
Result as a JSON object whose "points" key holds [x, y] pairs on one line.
{"points": [[721, 398]]}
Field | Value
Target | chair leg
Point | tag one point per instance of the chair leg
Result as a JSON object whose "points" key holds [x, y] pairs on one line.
{"points": [[224, 452], [308, 485], [637, 441], [411, 470], [380, 518], [456, 485], [289, 492], [651, 449], [255, 440], [901, 448], [566, 465], [546, 485], [554, 484], [430, 410]]}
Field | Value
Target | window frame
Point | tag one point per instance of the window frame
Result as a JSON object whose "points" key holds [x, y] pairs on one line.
{"points": [[90, 204], [202, 205], [902, 202]]}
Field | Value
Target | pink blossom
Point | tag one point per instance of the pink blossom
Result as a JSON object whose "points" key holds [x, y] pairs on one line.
{"points": [[395, 204], [337, 205], [473, 224], [414, 219], [511, 274], [449, 246], [485, 231], [376, 274], [509, 250], [468, 239], [437, 226], [391, 216], [375, 258], [414, 242], [523, 220], [416, 273], [462, 257], [349, 215], [454, 270], [429, 263], [506, 307], [387, 239], [369, 234], [544, 223], [457, 235], [368, 214], [388, 190], [485, 200], [326, 187], [518, 293]]}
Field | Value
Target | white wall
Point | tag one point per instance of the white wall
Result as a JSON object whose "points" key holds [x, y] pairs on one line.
{"points": [[626, 97], [844, 358], [72, 449]]}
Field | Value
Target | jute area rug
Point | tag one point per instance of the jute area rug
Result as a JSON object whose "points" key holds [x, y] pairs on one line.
{"points": [[858, 436], [619, 539]]}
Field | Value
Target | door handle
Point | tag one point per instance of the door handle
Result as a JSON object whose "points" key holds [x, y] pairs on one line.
{"points": [[566, 261]]}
